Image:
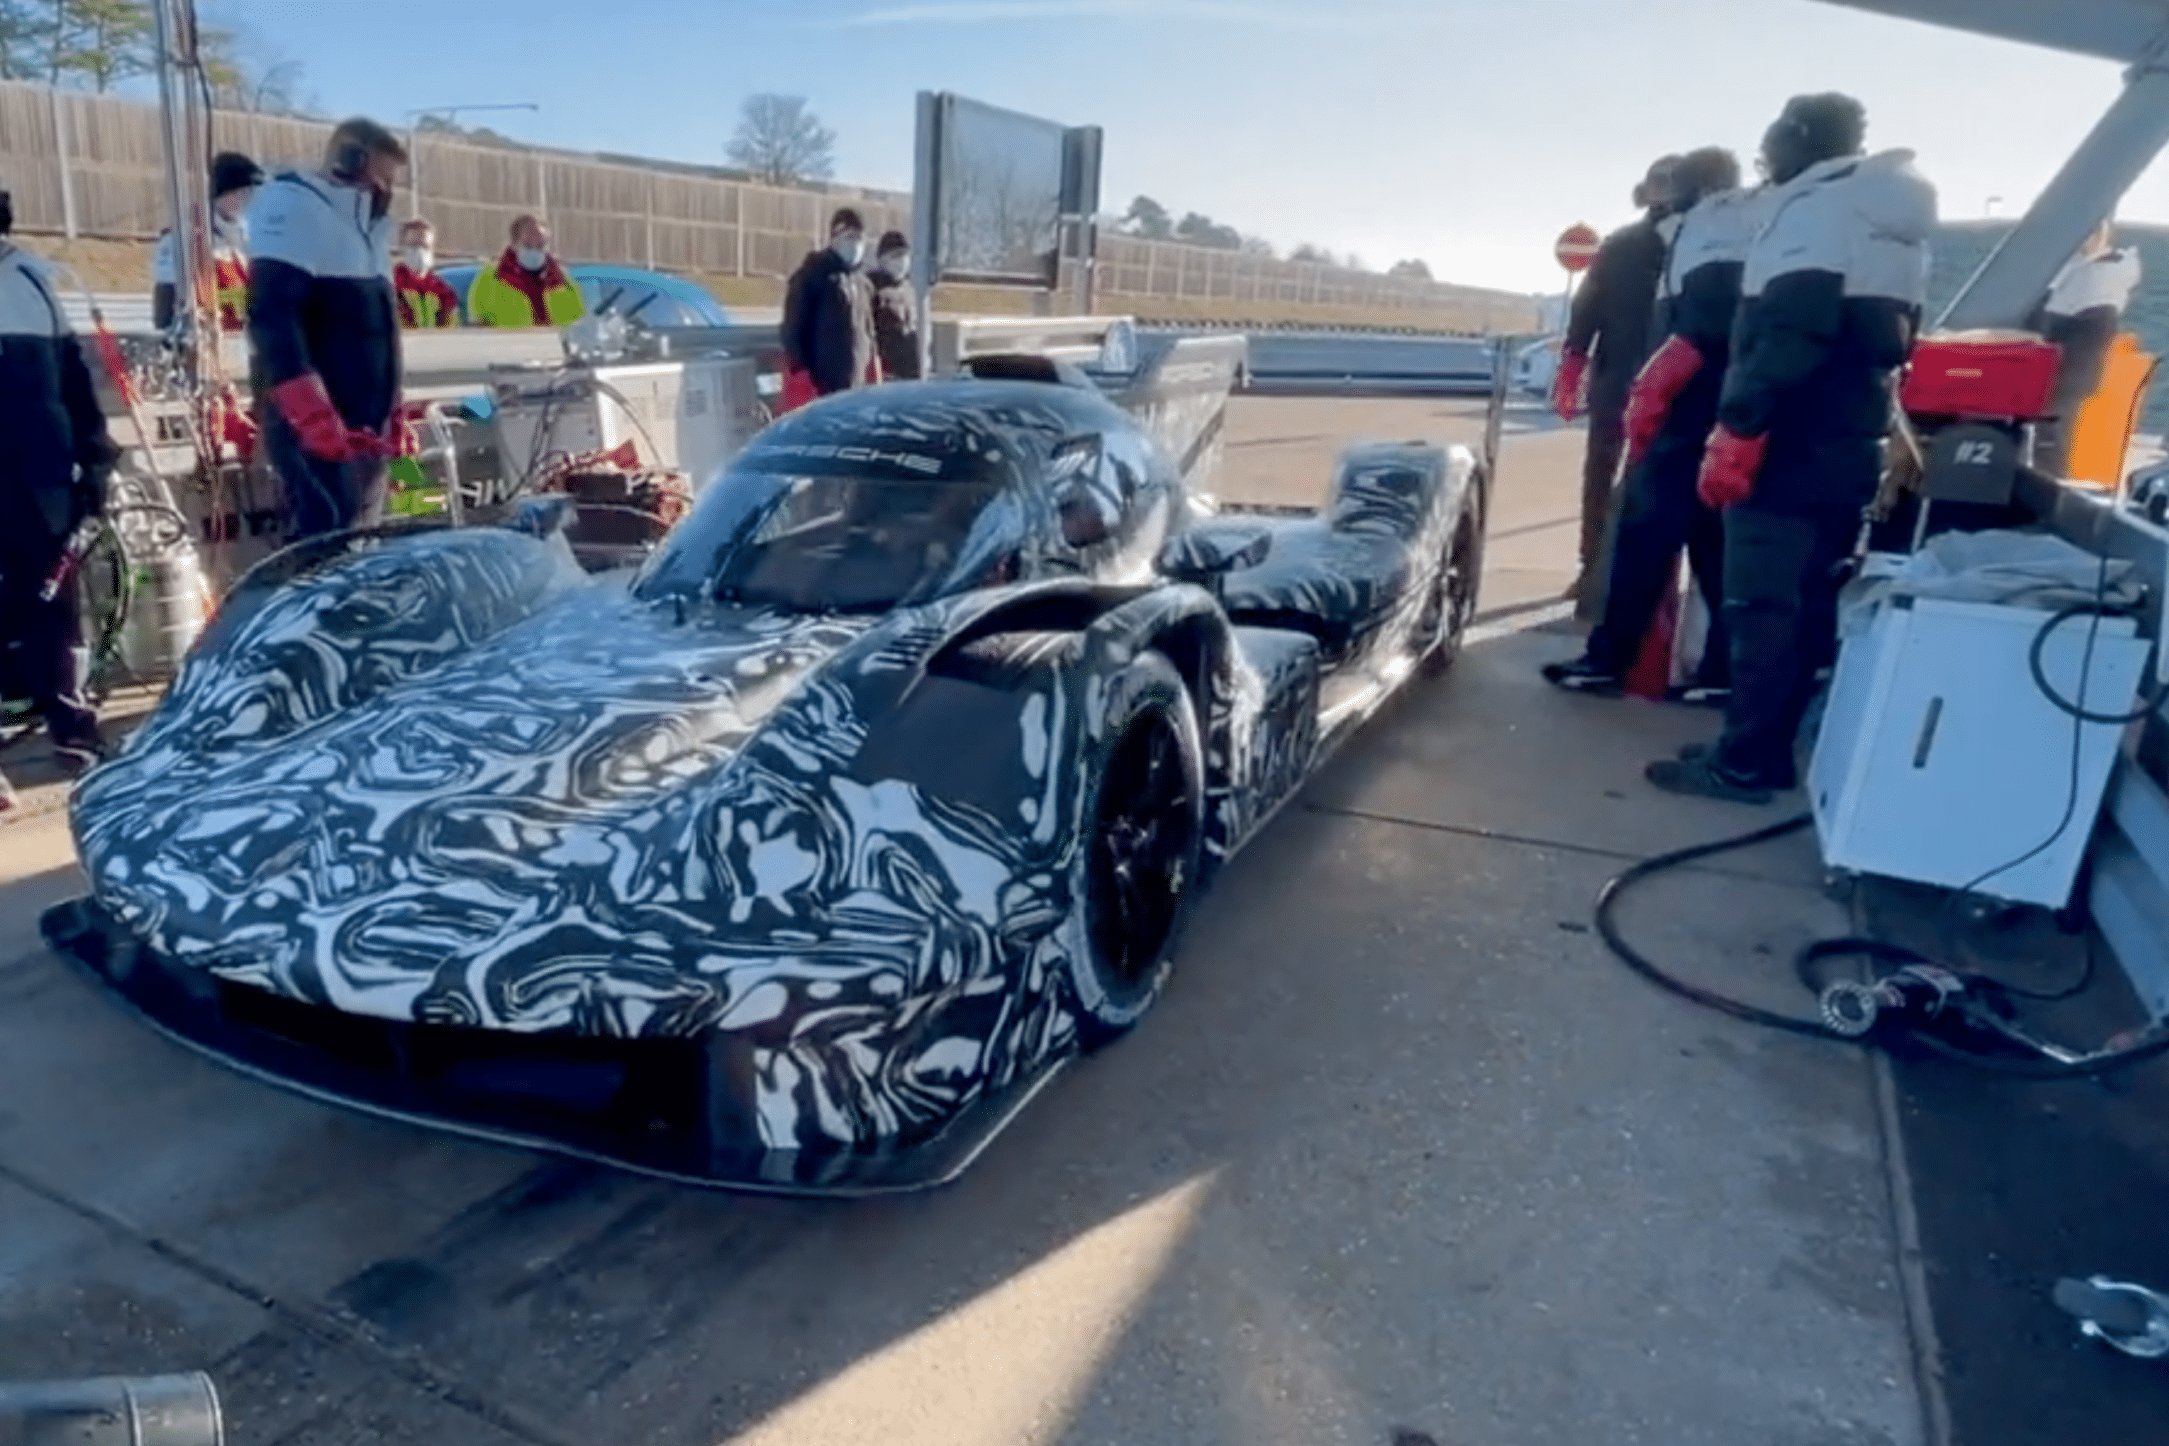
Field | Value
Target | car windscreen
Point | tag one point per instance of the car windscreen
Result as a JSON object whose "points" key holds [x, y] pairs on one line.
{"points": [[822, 543]]}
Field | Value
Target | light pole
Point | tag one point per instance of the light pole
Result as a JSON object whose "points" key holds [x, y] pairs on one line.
{"points": [[414, 138]]}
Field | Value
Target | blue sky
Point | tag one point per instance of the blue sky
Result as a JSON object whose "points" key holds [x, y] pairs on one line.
{"points": [[1466, 132]]}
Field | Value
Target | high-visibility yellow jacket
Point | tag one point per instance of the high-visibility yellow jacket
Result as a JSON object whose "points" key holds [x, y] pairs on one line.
{"points": [[424, 298], [508, 294]]}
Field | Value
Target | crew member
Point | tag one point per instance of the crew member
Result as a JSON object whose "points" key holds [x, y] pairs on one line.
{"points": [[896, 309], [53, 474], [426, 300], [2081, 314], [1670, 411], [325, 326], [526, 287], [1831, 302], [828, 326], [1607, 339], [234, 182]]}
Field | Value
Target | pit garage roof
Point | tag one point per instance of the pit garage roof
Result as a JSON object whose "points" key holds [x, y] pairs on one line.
{"points": [[2122, 30]]}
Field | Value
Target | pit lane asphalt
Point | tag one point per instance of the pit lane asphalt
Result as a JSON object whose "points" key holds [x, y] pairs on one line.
{"points": [[1402, 1156]]}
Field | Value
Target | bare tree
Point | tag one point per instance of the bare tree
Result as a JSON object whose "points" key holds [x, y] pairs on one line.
{"points": [[246, 78], [1416, 270], [782, 142]]}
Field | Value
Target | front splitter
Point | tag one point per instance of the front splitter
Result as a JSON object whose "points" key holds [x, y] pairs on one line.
{"points": [[674, 1109]]}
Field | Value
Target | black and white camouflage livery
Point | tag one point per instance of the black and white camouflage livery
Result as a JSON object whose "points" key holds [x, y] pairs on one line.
{"points": [[630, 867]]}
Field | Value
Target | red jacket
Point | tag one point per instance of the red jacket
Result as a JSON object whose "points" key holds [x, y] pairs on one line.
{"points": [[424, 301]]}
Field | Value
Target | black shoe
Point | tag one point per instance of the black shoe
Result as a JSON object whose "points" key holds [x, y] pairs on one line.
{"points": [[1701, 778], [79, 754], [1701, 752], [1583, 676]]}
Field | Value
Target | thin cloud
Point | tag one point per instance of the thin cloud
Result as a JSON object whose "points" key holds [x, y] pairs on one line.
{"points": [[1231, 12]]}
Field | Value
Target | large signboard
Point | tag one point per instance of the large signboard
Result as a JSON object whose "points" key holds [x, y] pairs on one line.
{"points": [[998, 192]]}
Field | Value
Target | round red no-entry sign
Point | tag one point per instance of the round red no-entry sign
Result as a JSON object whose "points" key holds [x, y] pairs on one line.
{"points": [[1577, 247]]}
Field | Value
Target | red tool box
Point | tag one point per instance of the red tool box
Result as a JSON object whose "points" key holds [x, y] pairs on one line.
{"points": [[1989, 375]]}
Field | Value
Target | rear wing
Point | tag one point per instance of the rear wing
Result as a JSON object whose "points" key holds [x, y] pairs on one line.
{"points": [[1175, 387]]}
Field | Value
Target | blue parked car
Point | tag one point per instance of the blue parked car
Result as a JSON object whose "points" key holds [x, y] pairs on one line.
{"points": [[655, 300]]}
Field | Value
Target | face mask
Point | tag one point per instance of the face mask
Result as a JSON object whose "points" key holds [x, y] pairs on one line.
{"points": [[897, 266], [419, 258], [852, 249], [531, 258]]}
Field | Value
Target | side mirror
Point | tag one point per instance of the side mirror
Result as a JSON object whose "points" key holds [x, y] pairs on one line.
{"points": [[1195, 556], [1072, 470], [1085, 522], [1118, 349]]}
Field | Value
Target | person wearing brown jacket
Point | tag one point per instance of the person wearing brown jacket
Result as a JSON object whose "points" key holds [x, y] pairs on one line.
{"points": [[896, 309], [828, 327]]}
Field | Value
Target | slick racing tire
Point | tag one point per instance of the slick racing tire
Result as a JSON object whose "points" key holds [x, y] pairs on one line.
{"points": [[1453, 601], [1143, 836]]}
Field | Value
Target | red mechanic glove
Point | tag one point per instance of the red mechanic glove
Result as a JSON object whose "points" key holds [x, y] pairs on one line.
{"points": [[1567, 384], [402, 432], [1729, 466], [308, 410], [1662, 378]]}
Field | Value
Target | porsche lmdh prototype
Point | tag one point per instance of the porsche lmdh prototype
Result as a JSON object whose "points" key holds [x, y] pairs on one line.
{"points": [[796, 858]]}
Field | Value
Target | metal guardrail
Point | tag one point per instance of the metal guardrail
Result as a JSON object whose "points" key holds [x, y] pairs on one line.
{"points": [[127, 315], [1284, 362]]}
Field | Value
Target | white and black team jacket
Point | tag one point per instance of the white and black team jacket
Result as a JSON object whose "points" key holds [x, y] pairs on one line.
{"points": [[1699, 297], [2084, 308], [1831, 298], [321, 296], [52, 430]]}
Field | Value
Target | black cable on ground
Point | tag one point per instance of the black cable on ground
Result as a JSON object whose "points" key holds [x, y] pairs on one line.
{"points": [[2043, 1062], [1928, 1003], [1608, 928]]}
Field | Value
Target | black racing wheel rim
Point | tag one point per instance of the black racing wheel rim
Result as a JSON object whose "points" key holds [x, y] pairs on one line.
{"points": [[1138, 857], [1453, 602], [1460, 584]]}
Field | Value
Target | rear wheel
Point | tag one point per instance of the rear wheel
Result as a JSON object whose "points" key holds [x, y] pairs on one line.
{"points": [[1137, 866], [1453, 599]]}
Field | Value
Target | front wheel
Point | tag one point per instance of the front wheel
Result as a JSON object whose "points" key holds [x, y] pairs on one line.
{"points": [[1137, 866]]}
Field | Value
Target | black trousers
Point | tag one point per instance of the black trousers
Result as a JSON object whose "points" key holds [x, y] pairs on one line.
{"points": [[1781, 606], [1659, 514], [1600, 471], [323, 497], [47, 660]]}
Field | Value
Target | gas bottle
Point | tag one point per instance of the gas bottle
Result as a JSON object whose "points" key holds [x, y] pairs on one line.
{"points": [[169, 602]]}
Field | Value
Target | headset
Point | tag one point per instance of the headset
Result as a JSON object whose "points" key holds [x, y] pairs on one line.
{"points": [[350, 163], [350, 167]]}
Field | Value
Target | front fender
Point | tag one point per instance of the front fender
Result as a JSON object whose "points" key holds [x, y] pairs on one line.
{"points": [[312, 637]]}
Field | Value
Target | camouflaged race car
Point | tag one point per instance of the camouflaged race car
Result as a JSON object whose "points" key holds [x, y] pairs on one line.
{"points": [[796, 859]]}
